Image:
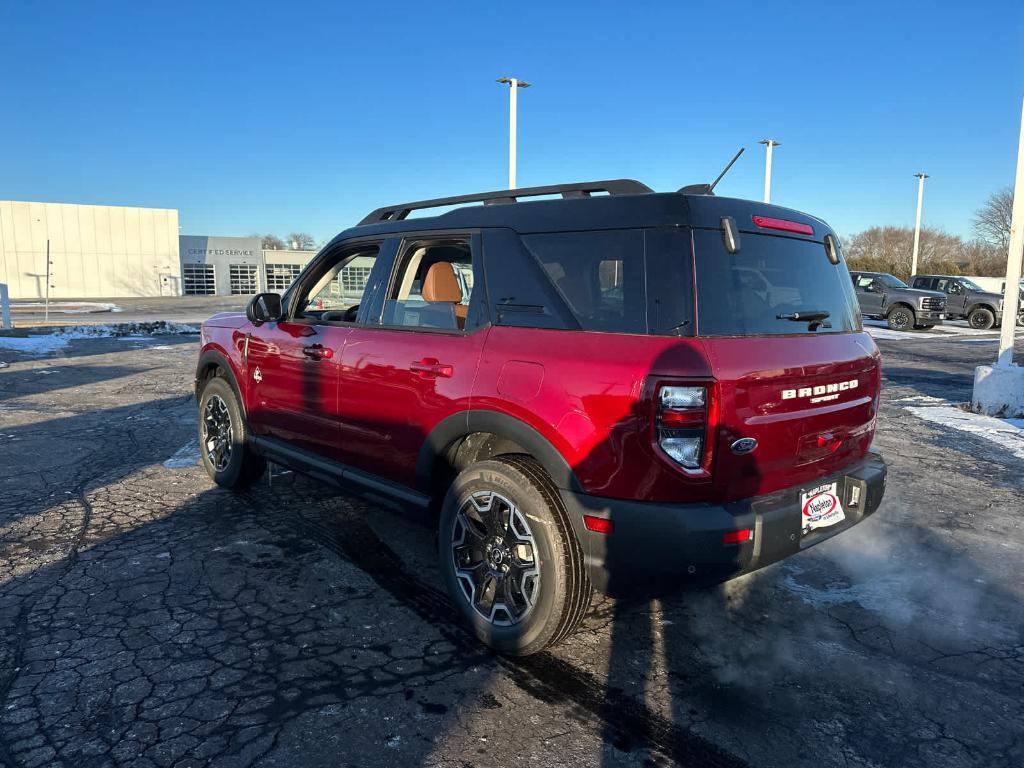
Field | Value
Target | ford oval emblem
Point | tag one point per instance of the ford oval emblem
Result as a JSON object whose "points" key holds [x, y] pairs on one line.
{"points": [[744, 446]]}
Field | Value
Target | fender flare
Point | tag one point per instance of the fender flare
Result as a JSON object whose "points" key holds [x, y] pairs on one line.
{"points": [[468, 422], [981, 305], [214, 357]]}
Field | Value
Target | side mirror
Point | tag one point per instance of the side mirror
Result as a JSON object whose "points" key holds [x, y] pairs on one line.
{"points": [[264, 308]]}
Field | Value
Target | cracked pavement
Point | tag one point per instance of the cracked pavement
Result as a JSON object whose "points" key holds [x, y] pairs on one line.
{"points": [[148, 618]]}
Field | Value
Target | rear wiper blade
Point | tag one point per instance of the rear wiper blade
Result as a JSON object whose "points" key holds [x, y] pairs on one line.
{"points": [[810, 316]]}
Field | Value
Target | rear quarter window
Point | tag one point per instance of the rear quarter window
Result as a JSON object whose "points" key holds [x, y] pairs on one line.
{"points": [[751, 292], [621, 281]]}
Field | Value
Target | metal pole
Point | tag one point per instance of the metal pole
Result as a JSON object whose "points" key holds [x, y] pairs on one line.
{"points": [[1013, 260], [769, 144], [917, 225], [46, 304], [5, 307], [513, 88]]}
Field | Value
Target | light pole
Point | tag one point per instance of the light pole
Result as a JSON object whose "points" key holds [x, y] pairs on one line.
{"points": [[917, 224], [514, 84], [999, 388], [769, 144]]}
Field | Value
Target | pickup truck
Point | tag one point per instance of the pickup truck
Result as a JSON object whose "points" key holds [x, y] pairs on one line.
{"points": [[885, 297]]}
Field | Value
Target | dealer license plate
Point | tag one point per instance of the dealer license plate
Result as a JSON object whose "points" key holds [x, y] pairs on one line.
{"points": [[820, 507]]}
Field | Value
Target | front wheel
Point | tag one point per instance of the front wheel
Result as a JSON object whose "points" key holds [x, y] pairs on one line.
{"points": [[981, 319], [228, 461], [509, 557], [1020, 317], [901, 318]]}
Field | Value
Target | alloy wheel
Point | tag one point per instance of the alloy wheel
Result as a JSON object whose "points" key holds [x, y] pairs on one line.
{"points": [[218, 433], [495, 557], [900, 318]]}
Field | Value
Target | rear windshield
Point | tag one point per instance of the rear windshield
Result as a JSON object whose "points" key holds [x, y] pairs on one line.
{"points": [[770, 286]]}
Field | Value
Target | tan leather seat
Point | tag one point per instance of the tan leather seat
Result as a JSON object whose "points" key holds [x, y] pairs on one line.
{"points": [[440, 285]]}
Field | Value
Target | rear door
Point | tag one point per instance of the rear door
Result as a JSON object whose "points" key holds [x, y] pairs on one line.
{"points": [[805, 390], [413, 362]]}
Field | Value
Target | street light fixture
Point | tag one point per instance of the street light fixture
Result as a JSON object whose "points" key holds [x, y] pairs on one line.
{"points": [[769, 144], [514, 84], [917, 225]]}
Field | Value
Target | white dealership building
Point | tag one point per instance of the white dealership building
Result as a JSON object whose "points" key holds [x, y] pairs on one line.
{"points": [[107, 251], [94, 250]]}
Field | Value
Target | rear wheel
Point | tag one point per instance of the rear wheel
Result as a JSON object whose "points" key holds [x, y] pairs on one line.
{"points": [[228, 460], [900, 318], [981, 319], [1020, 317], [509, 557]]}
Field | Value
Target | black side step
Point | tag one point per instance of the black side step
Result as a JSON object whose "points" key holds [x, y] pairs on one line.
{"points": [[337, 474]]}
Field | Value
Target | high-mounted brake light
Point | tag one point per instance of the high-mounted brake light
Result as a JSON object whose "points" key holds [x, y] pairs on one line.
{"points": [[766, 222], [681, 425]]}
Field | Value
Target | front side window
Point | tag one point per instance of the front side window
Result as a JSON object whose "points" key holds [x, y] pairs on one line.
{"points": [[432, 286], [338, 287]]}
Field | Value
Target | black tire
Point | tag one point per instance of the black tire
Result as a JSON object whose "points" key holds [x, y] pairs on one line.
{"points": [[900, 318], [543, 596], [1020, 317], [227, 458], [981, 319]]}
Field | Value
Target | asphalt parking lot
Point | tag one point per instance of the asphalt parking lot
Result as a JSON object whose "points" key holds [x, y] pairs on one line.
{"points": [[150, 619]]}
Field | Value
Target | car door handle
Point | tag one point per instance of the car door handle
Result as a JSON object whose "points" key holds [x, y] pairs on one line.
{"points": [[429, 366], [318, 352]]}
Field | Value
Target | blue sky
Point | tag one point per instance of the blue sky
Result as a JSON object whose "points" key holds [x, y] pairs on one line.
{"points": [[274, 117]]}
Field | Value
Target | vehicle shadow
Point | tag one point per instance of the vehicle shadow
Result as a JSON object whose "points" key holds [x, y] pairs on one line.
{"points": [[35, 381]]}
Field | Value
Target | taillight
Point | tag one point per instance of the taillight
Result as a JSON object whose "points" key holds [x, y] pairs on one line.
{"points": [[682, 424]]}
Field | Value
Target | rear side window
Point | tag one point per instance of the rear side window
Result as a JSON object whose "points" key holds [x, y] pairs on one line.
{"points": [[768, 285], [599, 274]]}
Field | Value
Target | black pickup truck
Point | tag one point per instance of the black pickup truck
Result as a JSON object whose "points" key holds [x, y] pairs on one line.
{"points": [[886, 297]]}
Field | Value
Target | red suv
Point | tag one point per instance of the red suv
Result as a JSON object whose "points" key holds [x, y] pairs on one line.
{"points": [[607, 388]]}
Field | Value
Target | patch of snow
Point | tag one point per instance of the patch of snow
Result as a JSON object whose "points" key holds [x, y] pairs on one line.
{"points": [[68, 307], [45, 344], [1009, 433], [33, 345], [184, 457]]}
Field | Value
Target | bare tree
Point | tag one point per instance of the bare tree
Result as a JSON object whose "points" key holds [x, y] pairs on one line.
{"points": [[302, 241], [992, 220], [271, 242]]}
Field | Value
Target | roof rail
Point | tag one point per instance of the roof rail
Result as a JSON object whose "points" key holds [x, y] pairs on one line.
{"points": [[582, 189]]}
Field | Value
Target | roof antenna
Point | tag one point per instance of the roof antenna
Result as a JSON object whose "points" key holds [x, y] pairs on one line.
{"points": [[708, 189]]}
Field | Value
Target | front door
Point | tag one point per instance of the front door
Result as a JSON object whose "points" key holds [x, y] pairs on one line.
{"points": [[870, 294], [413, 364], [956, 297], [294, 364]]}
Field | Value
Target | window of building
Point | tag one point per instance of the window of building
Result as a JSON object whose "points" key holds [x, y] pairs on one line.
{"points": [[280, 276], [243, 279], [198, 279]]}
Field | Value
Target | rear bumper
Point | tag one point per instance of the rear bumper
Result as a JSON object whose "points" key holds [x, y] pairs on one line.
{"points": [[657, 549]]}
